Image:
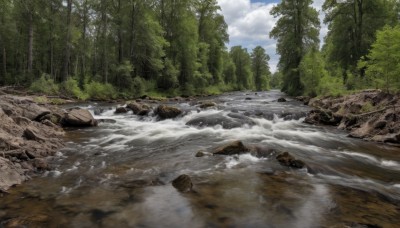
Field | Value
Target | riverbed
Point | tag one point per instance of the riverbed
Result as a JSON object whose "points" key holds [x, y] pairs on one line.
{"points": [[119, 174]]}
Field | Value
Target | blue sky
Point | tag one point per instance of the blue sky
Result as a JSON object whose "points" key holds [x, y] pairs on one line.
{"points": [[249, 24]]}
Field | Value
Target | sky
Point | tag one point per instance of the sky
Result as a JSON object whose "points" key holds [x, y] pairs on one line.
{"points": [[249, 24]]}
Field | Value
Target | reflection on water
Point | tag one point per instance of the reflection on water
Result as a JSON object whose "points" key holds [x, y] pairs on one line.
{"points": [[119, 174]]}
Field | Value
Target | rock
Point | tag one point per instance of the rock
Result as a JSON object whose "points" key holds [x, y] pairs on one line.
{"points": [[120, 110], [139, 109], [167, 112], [98, 111], [380, 124], [288, 160], [203, 154], [78, 118], [32, 134], [33, 111], [183, 183], [318, 116], [232, 148], [135, 107], [233, 120], [40, 164], [207, 104], [304, 99], [110, 121], [282, 99], [27, 221], [9, 176], [248, 99]]}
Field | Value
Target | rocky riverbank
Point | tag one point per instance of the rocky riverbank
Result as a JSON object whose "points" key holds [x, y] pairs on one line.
{"points": [[370, 115], [30, 134]]}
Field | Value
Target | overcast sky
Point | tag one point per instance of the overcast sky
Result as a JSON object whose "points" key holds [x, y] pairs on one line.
{"points": [[249, 24]]}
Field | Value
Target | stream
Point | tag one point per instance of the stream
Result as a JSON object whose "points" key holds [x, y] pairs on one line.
{"points": [[119, 174]]}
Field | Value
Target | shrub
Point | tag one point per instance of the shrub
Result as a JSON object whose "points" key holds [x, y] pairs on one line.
{"points": [[44, 85], [100, 91], [138, 86], [72, 89]]}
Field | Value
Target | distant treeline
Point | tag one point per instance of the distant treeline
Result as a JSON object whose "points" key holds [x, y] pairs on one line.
{"points": [[123, 48]]}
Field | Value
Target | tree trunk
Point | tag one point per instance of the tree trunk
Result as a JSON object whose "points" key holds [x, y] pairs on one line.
{"points": [[30, 45], [120, 53], [67, 54], [84, 48]]}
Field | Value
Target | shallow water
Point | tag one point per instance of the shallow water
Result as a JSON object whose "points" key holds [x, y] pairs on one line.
{"points": [[119, 174]]}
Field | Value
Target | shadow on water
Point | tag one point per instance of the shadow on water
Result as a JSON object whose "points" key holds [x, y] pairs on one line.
{"points": [[120, 174]]}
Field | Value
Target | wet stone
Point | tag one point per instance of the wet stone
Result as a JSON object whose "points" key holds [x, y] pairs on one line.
{"points": [[183, 183]]}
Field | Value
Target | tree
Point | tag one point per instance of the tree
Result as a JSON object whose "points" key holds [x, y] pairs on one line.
{"points": [[260, 68], [383, 61], [297, 32], [352, 27], [312, 70], [212, 30], [242, 61]]}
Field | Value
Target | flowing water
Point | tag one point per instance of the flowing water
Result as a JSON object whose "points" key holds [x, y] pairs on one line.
{"points": [[119, 174]]}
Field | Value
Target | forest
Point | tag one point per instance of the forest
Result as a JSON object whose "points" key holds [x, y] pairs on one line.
{"points": [[102, 49]]}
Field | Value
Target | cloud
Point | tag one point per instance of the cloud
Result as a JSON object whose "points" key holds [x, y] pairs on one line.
{"points": [[250, 24]]}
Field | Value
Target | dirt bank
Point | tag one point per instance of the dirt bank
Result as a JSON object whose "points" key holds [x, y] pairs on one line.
{"points": [[370, 115]]}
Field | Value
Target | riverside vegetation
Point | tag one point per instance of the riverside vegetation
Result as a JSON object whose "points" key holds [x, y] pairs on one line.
{"points": [[93, 49]]}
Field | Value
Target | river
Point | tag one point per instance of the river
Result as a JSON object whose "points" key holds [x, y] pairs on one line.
{"points": [[119, 174]]}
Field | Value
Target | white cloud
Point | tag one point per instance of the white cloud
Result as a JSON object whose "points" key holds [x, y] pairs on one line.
{"points": [[250, 25]]}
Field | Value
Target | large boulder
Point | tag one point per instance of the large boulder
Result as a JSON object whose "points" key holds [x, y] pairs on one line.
{"points": [[9, 176], [233, 148], [183, 183], [288, 160], [120, 110], [78, 118], [167, 112], [138, 109], [33, 111]]}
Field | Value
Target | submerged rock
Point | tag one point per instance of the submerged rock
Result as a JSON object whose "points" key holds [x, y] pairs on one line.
{"points": [[207, 104], [288, 160], [233, 148], [282, 99], [183, 183], [167, 112], [78, 118], [233, 120], [120, 110], [203, 154], [9, 175]]}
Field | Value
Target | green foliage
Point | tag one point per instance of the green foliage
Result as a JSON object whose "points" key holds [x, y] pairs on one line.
{"points": [[260, 68], [72, 89], [138, 86], [367, 107], [242, 61], [276, 80], [169, 78], [44, 85], [296, 31], [352, 28], [311, 71], [100, 91], [382, 64], [123, 77]]}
